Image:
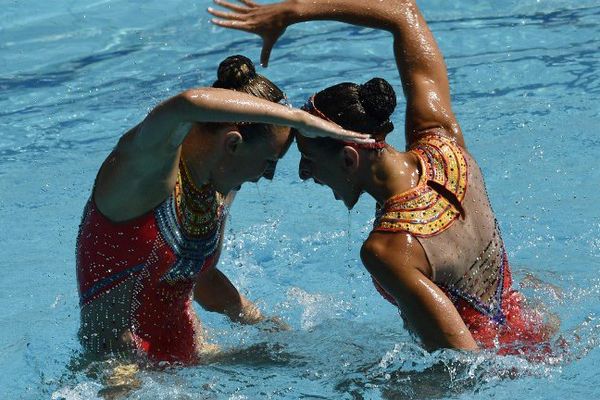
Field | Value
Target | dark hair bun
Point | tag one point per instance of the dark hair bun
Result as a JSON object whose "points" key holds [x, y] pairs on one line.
{"points": [[378, 98], [235, 72]]}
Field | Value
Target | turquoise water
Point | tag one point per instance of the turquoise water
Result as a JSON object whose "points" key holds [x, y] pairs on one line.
{"points": [[526, 84]]}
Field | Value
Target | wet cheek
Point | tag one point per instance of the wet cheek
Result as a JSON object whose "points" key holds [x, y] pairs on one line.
{"points": [[258, 173], [326, 177]]}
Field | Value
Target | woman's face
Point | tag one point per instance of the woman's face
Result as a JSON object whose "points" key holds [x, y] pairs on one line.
{"points": [[256, 159], [328, 168]]}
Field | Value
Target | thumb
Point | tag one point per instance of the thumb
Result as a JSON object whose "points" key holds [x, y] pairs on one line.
{"points": [[268, 43], [265, 54]]}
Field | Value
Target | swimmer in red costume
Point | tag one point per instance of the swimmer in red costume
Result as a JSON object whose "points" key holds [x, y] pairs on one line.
{"points": [[435, 250], [152, 231]]}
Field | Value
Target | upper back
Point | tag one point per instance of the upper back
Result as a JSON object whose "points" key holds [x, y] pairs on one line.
{"points": [[450, 215]]}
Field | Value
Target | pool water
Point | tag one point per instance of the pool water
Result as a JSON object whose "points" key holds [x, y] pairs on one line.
{"points": [[526, 88]]}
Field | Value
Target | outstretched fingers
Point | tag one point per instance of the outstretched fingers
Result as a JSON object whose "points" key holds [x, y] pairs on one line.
{"points": [[249, 3], [235, 18], [265, 54], [233, 7], [338, 134], [349, 136], [230, 16], [242, 26]]}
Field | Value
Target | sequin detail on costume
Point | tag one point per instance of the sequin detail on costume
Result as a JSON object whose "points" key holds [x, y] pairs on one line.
{"points": [[136, 278], [198, 209], [190, 222], [422, 211], [482, 284], [108, 281]]}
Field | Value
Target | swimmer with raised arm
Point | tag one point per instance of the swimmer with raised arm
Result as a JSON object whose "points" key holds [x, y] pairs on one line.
{"points": [[152, 230], [435, 250]]}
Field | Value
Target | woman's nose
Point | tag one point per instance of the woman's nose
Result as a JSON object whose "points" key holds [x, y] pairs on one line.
{"points": [[304, 171], [269, 171], [269, 174]]}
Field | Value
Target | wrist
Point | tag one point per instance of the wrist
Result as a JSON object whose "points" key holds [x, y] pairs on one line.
{"points": [[300, 118], [246, 313], [250, 314], [298, 11]]}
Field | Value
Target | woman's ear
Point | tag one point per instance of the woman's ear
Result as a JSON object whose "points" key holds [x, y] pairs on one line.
{"points": [[233, 139], [350, 159]]}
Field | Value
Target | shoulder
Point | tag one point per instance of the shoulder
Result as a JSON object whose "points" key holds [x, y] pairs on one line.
{"points": [[394, 250], [445, 133], [384, 247]]}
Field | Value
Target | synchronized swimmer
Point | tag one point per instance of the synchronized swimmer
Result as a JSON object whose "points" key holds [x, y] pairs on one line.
{"points": [[152, 230], [435, 250]]}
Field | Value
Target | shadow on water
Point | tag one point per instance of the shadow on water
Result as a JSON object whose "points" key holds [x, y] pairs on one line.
{"points": [[257, 355], [61, 73], [434, 382]]}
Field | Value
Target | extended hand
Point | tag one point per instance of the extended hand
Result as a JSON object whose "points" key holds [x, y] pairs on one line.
{"points": [[268, 21], [317, 127], [274, 324], [246, 312]]}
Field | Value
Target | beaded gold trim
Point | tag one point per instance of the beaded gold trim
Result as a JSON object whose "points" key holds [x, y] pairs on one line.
{"points": [[482, 284], [422, 211], [190, 221], [198, 209]]}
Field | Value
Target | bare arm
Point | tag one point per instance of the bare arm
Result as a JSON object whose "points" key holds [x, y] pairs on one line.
{"points": [[397, 265], [141, 171], [419, 60], [221, 105], [215, 292]]}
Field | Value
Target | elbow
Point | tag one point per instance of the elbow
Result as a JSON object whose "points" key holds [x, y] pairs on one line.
{"points": [[457, 338], [433, 340], [189, 95], [197, 95], [184, 102], [190, 101], [175, 108]]}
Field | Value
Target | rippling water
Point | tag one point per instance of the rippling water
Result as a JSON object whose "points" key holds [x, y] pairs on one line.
{"points": [[526, 85]]}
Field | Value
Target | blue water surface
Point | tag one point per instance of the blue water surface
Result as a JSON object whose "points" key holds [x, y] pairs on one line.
{"points": [[526, 88]]}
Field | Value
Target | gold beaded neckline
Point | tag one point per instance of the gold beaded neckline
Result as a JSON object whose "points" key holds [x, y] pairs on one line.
{"points": [[198, 209]]}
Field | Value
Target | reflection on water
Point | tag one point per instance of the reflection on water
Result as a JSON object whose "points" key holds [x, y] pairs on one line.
{"points": [[256, 355]]}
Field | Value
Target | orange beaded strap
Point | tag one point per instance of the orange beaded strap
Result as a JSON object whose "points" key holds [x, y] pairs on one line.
{"points": [[422, 211]]}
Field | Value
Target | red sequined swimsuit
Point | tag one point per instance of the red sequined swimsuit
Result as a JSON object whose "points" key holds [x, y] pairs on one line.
{"points": [[464, 247], [159, 255]]}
